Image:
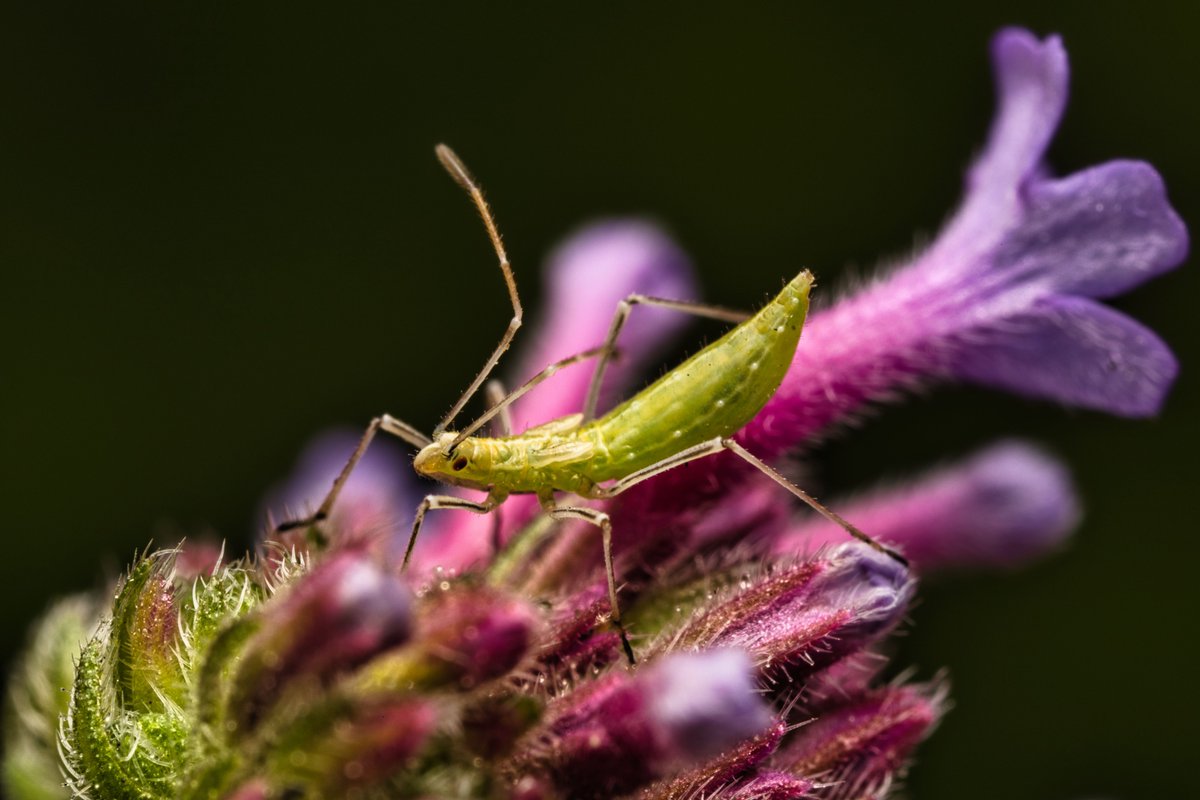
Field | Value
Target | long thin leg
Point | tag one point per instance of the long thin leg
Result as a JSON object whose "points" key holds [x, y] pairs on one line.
{"points": [[433, 501], [601, 521], [719, 445], [459, 172], [496, 393], [622, 314], [808, 499], [384, 422], [516, 394], [502, 425]]}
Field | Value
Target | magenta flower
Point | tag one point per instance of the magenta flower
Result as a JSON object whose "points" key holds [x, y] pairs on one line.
{"points": [[491, 670]]}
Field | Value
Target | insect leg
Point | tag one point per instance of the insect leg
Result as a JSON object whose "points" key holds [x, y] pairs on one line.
{"points": [[496, 393], [623, 310], [459, 172], [719, 445], [820, 508], [601, 521], [446, 501], [670, 462], [384, 422], [502, 425], [502, 405]]}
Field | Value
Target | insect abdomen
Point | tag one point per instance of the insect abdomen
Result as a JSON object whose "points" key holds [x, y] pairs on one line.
{"points": [[714, 393]]}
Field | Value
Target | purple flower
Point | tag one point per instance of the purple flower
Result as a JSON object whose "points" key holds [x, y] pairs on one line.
{"points": [[1001, 507], [626, 730], [1005, 296], [759, 633]]}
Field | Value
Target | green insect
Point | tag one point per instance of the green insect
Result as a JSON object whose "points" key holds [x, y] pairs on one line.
{"points": [[687, 414]]}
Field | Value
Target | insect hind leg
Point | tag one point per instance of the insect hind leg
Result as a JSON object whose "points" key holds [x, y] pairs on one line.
{"points": [[621, 315], [720, 445], [601, 521], [809, 500]]}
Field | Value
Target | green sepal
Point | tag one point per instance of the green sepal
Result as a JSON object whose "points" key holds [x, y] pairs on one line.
{"points": [[144, 632], [92, 736]]}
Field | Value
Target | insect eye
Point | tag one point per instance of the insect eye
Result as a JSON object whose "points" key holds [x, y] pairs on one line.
{"points": [[459, 464]]}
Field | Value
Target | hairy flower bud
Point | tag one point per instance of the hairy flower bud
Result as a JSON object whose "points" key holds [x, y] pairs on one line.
{"points": [[807, 616], [344, 612], [628, 730], [865, 742], [464, 636], [1001, 507]]}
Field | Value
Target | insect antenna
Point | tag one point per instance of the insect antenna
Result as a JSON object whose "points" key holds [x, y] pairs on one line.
{"points": [[454, 165]]}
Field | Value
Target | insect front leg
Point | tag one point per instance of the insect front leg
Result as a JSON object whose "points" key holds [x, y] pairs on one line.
{"points": [[722, 445], [433, 501], [601, 521], [622, 314], [384, 422]]}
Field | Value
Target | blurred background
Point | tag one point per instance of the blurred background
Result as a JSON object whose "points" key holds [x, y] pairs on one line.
{"points": [[224, 230]]}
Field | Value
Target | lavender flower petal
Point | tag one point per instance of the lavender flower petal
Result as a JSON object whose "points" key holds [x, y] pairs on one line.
{"points": [[1003, 506], [1031, 89], [1096, 233], [1076, 351]]}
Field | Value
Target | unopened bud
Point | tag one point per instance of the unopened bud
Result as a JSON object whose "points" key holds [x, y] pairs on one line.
{"points": [[809, 615], [346, 611]]}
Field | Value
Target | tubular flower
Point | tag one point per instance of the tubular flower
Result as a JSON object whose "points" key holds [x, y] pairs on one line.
{"points": [[492, 668]]}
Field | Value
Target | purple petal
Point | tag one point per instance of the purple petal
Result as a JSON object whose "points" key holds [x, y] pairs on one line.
{"points": [[1018, 243], [1096, 233], [1076, 351], [1031, 86], [1001, 507], [1031, 89]]}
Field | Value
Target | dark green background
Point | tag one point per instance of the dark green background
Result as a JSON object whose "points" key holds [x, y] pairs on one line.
{"points": [[224, 229]]}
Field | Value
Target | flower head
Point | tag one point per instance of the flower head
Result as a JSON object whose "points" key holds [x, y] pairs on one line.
{"points": [[494, 669]]}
